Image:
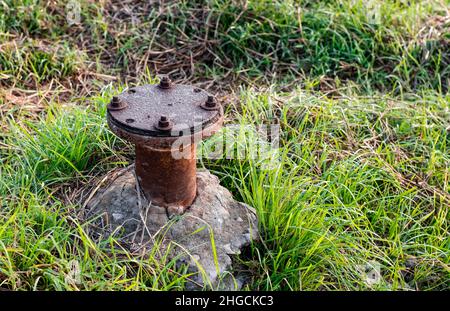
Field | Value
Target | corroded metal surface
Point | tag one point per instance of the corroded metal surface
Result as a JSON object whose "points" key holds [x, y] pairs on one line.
{"points": [[167, 181], [159, 119], [182, 104]]}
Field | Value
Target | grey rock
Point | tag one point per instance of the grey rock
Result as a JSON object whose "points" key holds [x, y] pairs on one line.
{"points": [[126, 213]]}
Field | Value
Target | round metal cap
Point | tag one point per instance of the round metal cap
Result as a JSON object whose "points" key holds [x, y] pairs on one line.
{"points": [[183, 105]]}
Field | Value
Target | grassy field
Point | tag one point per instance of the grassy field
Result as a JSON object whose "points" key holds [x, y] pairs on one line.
{"points": [[360, 90]]}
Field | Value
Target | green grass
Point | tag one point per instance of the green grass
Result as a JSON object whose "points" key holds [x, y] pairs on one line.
{"points": [[357, 181], [41, 235], [25, 63], [338, 198], [380, 45], [364, 160]]}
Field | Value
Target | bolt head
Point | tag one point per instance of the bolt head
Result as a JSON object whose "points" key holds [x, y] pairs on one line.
{"points": [[115, 101], [165, 82], [116, 104], [164, 124], [210, 103]]}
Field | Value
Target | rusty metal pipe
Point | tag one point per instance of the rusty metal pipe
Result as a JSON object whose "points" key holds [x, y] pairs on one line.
{"points": [[164, 179], [154, 118]]}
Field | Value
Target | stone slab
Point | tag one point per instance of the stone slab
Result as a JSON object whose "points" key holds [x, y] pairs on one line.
{"points": [[120, 208]]}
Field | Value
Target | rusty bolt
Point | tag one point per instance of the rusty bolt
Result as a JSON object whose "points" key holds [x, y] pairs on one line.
{"points": [[164, 124], [164, 179], [115, 101], [210, 103], [116, 104], [165, 82]]}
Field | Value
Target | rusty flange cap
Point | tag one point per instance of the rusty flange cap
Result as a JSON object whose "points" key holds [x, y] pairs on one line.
{"points": [[151, 110]]}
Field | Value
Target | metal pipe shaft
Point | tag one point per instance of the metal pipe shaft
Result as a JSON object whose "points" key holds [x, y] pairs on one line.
{"points": [[166, 181]]}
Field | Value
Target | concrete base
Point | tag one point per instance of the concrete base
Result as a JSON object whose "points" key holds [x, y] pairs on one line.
{"points": [[232, 225]]}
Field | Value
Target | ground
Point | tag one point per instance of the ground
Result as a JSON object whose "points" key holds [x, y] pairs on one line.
{"points": [[359, 196]]}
